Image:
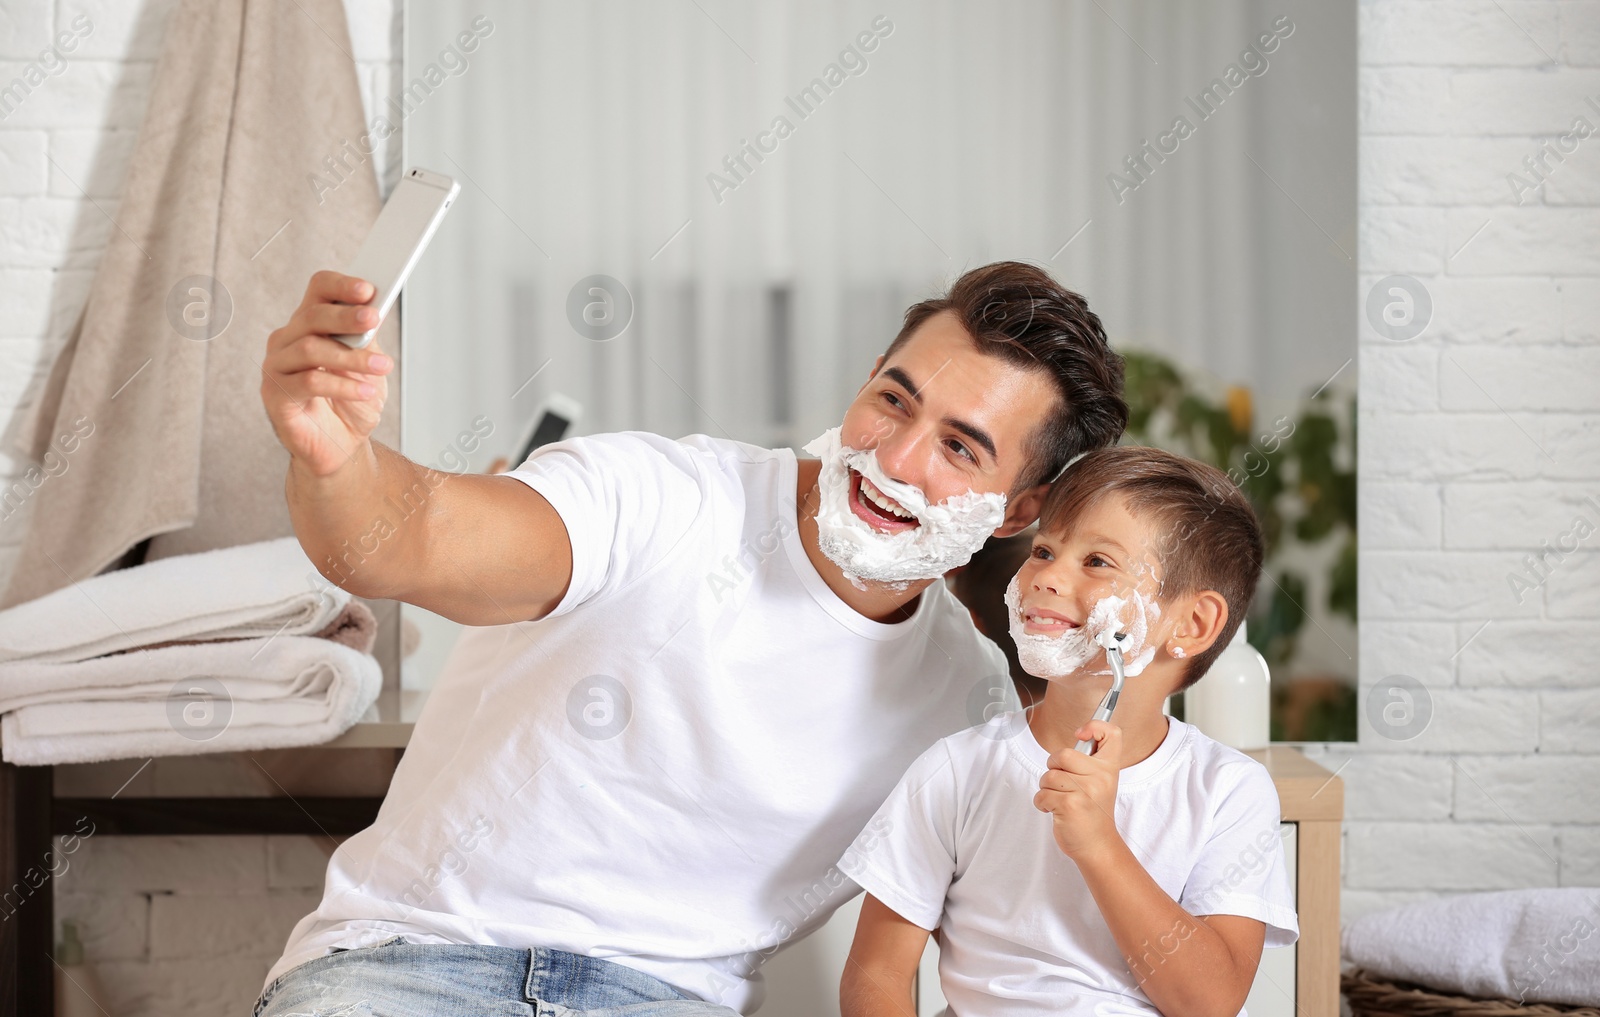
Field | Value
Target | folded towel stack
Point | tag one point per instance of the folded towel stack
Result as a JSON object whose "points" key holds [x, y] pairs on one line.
{"points": [[1540, 945], [240, 648]]}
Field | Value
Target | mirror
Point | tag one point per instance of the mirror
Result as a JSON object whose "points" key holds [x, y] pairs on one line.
{"points": [[710, 217]]}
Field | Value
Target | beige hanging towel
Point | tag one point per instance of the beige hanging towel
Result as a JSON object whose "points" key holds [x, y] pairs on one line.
{"points": [[252, 170]]}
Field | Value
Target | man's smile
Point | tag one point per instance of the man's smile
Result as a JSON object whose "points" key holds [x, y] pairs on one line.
{"points": [[878, 509]]}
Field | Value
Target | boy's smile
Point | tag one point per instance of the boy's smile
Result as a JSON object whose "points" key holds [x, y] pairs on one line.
{"points": [[1045, 622]]}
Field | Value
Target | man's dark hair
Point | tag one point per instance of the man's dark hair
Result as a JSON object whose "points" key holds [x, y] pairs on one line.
{"points": [[1018, 312], [1208, 536]]}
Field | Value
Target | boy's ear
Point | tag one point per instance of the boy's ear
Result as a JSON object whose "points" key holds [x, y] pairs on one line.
{"points": [[1200, 620], [1023, 511]]}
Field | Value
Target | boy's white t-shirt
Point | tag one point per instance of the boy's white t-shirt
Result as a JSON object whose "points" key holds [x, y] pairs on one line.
{"points": [[663, 771], [959, 845]]}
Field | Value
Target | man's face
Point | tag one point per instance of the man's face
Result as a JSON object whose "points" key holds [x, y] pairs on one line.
{"points": [[945, 418]]}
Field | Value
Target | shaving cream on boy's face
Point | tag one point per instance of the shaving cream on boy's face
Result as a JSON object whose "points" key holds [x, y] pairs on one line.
{"points": [[946, 536], [1045, 656]]}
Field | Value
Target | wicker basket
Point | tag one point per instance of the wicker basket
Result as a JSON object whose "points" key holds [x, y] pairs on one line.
{"points": [[1371, 996]]}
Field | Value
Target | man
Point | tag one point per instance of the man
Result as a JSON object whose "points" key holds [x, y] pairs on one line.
{"points": [[723, 659]]}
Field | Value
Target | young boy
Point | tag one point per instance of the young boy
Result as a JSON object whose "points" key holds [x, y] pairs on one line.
{"points": [[1142, 879]]}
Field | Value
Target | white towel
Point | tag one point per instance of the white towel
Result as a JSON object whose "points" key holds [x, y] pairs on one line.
{"points": [[261, 589], [180, 700], [1538, 945], [211, 652]]}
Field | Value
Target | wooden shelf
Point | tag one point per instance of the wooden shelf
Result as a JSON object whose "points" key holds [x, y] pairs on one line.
{"points": [[391, 726], [140, 816], [1305, 789], [1313, 799]]}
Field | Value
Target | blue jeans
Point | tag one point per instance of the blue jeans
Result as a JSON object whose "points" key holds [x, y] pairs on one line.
{"points": [[400, 979]]}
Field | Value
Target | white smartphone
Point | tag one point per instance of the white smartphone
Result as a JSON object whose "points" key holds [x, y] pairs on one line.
{"points": [[553, 421], [397, 239]]}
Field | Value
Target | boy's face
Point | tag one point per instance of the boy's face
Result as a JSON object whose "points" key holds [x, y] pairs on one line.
{"points": [[1108, 552]]}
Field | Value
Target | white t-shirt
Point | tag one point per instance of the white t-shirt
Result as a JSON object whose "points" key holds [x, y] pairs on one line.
{"points": [[663, 771], [959, 845]]}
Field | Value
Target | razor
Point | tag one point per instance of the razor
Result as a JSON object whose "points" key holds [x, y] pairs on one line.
{"points": [[1113, 644]]}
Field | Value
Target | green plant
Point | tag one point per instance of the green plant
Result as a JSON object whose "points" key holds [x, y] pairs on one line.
{"points": [[1293, 472]]}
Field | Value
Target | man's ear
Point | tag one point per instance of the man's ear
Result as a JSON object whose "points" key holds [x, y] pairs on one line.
{"points": [[1023, 511], [877, 365], [1200, 620]]}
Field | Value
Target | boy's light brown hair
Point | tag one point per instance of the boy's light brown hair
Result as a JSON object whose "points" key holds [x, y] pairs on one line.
{"points": [[1207, 533]]}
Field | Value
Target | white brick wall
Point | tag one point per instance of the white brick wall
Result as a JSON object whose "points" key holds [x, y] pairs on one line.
{"points": [[171, 924], [1478, 443], [1479, 440]]}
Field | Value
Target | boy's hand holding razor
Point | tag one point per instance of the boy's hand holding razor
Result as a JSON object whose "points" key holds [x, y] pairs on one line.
{"points": [[1080, 793]]}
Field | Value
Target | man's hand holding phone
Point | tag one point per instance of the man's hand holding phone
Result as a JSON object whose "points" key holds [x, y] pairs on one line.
{"points": [[323, 398], [489, 550]]}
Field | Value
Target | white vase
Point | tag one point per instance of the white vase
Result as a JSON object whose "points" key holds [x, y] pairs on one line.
{"points": [[1232, 702]]}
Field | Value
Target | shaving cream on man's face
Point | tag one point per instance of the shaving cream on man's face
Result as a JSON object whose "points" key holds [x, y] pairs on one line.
{"points": [[946, 536]]}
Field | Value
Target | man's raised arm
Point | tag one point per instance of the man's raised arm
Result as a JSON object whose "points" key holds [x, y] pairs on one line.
{"points": [[480, 550]]}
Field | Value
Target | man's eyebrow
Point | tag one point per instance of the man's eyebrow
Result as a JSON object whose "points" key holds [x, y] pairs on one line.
{"points": [[977, 434], [900, 377]]}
